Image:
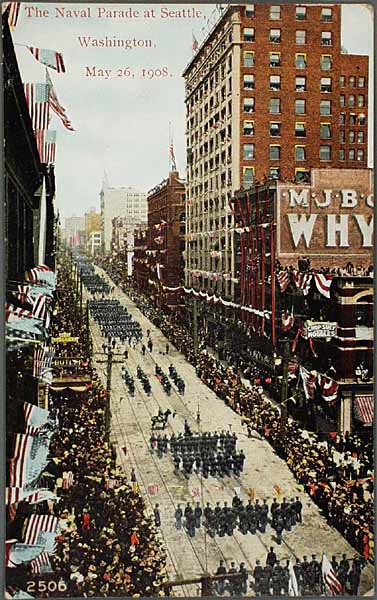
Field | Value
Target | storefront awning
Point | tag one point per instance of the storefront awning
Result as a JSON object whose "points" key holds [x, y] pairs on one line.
{"points": [[364, 409]]}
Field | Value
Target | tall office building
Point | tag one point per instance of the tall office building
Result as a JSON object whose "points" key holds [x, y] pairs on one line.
{"points": [[126, 202], [269, 93]]}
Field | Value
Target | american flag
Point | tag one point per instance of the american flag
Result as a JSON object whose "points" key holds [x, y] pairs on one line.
{"points": [[308, 381], [303, 281], [323, 283], [23, 294], [67, 480], [33, 273], [39, 307], [14, 495], [49, 147], [172, 157], [43, 358], [41, 564], [56, 106], [12, 313], [364, 409], [50, 58], [37, 524], [37, 97], [283, 279], [30, 457], [332, 583], [13, 14], [195, 43]]}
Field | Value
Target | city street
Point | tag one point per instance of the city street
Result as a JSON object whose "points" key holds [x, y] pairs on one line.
{"points": [[131, 420]]}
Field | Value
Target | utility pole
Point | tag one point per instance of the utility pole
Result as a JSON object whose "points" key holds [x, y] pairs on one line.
{"points": [[195, 326]]}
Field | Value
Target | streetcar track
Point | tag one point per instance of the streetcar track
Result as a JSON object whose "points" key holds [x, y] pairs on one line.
{"points": [[186, 414]]}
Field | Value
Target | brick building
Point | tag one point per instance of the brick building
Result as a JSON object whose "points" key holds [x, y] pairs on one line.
{"points": [[166, 235], [269, 93], [140, 267], [304, 257]]}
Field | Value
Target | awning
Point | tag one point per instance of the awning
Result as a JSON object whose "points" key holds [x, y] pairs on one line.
{"points": [[364, 409]]}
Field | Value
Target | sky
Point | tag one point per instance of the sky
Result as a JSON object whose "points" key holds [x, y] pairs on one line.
{"points": [[122, 122]]}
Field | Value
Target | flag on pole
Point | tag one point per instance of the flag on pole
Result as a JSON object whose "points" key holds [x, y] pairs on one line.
{"points": [[292, 585], [195, 43], [55, 105], [49, 147], [37, 98], [13, 14], [36, 417], [332, 583], [308, 381], [67, 479], [41, 564], [29, 459], [50, 58], [14, 494], [39, 524], [173, 164]]}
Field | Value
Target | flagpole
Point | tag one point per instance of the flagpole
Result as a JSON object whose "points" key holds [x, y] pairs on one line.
{"points": [[169, 146]]}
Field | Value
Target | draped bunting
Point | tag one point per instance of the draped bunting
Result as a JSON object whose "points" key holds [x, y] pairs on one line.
{"points": [[329, 388], [308, 380], [216, 299], [303, 281]]}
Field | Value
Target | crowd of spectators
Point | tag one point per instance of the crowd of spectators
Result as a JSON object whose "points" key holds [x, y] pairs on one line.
{"points": [[343, 491], [107, 543]]}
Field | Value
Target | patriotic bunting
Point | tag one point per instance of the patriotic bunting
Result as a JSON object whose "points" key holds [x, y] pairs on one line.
{"points": [[50, 58], [329, 388], [287, 321], [323, 283], [284, 280], [364, 409]]}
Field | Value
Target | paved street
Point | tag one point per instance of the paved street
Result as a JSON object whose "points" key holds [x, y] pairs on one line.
{"points": [[131, 418]]}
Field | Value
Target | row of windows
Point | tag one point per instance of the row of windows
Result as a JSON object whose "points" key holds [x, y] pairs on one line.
{"points": [[300, 36], [352, 80], [300, 86], [353, 119], [325, 131], [325, 108], [352, 99], [353, 136], [274, 153], [325, 153], [275, 60], [300, 13]]}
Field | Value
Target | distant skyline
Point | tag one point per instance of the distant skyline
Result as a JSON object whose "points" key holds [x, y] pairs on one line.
{"points": [[122, 124]]}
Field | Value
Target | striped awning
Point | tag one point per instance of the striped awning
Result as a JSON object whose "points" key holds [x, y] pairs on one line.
{"points": [[364, 409]]}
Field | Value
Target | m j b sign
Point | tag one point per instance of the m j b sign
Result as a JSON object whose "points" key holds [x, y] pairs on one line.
{"points": [[322, 223]]}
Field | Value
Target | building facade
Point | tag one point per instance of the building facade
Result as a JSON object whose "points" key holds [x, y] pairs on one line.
{"points": [[269, 94], [140, 266], [92, 222], [94, 242], [304, 258], [166, 239], [125, 202]]}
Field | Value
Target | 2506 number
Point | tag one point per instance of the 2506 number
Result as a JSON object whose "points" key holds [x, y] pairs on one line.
{"points": [[46, 586]]}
